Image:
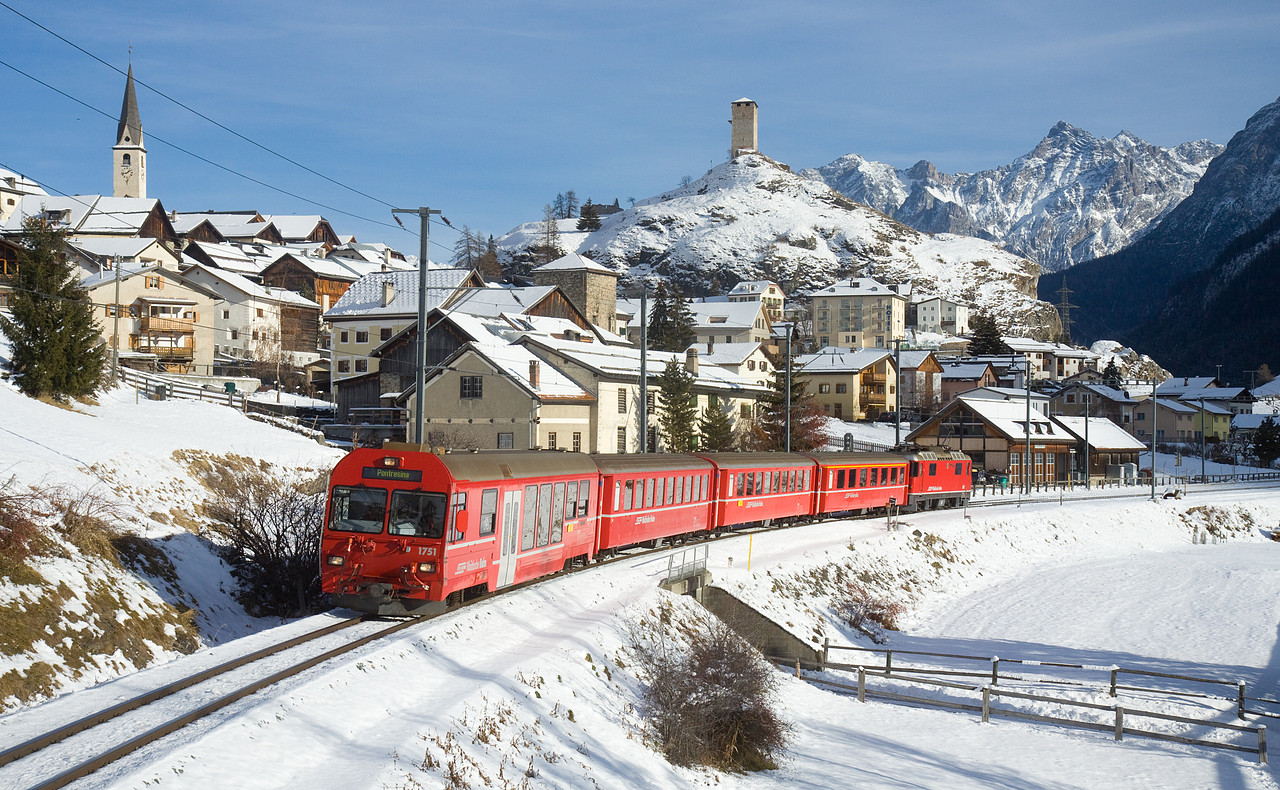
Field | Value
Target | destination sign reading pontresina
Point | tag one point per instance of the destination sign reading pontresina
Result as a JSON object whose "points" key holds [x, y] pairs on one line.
{"points": [[383, 473]]}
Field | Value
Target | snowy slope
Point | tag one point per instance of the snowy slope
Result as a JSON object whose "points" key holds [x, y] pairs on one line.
{"points": [[751, 218], [1072, 198], [536, 689]]}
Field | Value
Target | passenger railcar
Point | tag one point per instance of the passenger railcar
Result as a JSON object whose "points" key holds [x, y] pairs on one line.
{"points": [[753, 487], [652, 496], [859, 481]]}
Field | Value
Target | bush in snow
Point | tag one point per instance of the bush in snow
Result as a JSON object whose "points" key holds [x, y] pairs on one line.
{"points": [[710, 704], [270, 525], [17, 531], [866, 611]]}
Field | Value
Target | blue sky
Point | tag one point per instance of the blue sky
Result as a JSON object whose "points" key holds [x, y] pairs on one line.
{"points": [[488, 109]]}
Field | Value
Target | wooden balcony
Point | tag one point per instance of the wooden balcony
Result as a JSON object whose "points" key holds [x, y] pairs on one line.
{"points": [[152, 323]]}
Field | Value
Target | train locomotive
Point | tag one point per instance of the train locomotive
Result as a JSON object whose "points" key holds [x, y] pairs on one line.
{"points": [[410, 532]]}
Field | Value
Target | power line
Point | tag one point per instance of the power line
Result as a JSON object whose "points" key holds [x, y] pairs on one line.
{"points": [[194, 111]]}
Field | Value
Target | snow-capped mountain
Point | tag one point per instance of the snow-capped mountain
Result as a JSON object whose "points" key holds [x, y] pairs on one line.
{"points": [[752, 218], [1072, 198]]}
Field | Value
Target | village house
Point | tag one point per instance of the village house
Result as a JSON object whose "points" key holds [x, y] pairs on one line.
{"points": [[958, 377], [921, 377], [1101, 445], [998, 436], [849, 384], [761, 291], [1082, 398], [859, 313], [940, 316], [1172, 421], [165, 320]]}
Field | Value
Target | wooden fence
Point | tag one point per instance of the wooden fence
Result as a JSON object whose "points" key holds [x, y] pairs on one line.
{"points": [[990, 691]]}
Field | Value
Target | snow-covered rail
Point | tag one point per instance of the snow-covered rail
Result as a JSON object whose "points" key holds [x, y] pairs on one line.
{"points": [[102, 738]]}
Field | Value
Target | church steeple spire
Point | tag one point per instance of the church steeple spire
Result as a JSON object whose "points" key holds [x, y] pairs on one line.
{"points": [[130, 130], [129, 156]]}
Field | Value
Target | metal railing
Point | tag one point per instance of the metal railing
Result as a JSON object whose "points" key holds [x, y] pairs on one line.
{"points": [[689, 561]]}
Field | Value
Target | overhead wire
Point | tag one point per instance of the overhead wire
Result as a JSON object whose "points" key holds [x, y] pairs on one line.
{"points": [[220, 125]]}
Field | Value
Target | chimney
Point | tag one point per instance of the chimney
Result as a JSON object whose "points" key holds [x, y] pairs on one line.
{"points": [[691, 361], [386, 257], [711, 346], [533, 373], [388, 292]]}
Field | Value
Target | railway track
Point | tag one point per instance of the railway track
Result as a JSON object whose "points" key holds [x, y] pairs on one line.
{"points": [[76, 749]]}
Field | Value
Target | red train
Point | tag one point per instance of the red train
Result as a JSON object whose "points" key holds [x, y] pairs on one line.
{"points": [[409, 531]]}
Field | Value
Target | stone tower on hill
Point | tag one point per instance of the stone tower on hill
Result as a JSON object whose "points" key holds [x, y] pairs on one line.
{"points": [[129, 157], [743, 137]]}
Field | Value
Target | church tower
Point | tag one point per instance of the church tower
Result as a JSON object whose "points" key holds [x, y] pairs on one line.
{"points": [[743, 133], [129, 157]]}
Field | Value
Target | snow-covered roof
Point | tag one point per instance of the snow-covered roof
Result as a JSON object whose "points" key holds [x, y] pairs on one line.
{"points": [[725, 314], [1179, 385], [1210, 393], [331, 268], [624, 362], [910, 360], [127, 270], [1250, 422], [217, 277], [364, 297], [1269, 390], [228, 256], [752, 287], [1010, 419], [724, 353], [860, 286], [86, 213], [575, 262], [842, 360], [294, 226], [19, 183], [496, 301], [1103, 433], [114, 247], [1006, 393], [1101, 390], [513, 361], [964, 371]]}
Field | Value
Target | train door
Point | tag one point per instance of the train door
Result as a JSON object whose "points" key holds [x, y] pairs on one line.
{"points": [[510, 538]]}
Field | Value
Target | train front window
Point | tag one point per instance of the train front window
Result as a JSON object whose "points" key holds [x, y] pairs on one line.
{"points": [[417, 514], [358, 509]]}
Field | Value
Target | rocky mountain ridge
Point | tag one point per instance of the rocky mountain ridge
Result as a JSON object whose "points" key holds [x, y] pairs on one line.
{"points": [[1072, 198]]}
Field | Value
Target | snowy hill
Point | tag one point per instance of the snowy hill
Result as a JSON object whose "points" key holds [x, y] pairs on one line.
{"points": [[124, 575], [1072, 198], [752, 218]]}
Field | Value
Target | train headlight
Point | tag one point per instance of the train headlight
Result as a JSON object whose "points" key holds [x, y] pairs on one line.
{"points": [[335, 559], [426, 567], [391, 462]]}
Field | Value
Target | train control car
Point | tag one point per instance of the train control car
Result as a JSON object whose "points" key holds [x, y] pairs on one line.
{"points": [[407, 529], [940, 477], [859, 481], [651, 496], [753, 487]]}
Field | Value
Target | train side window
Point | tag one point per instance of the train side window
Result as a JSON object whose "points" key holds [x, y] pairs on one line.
{"points": [[544, 514], [627, 497], [358, 509], [862, 477], [658, 493], [488, 511], [584, 498], [759, 483], [884, 476], [530, 517], [459, 505], [648, 493], [671, 489], [840, 479], [681, 485], [933, 469], [617, 496], [557, 514], [741, 486], [915, 468], [571, 500]]}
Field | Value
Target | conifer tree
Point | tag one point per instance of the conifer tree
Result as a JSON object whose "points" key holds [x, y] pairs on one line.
{"points": [[769, 429], [985, 337], [679, 411], [715, 427], [588, 217], [56, 344], [670, 321], [1266, 442], [1111, 373]]}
